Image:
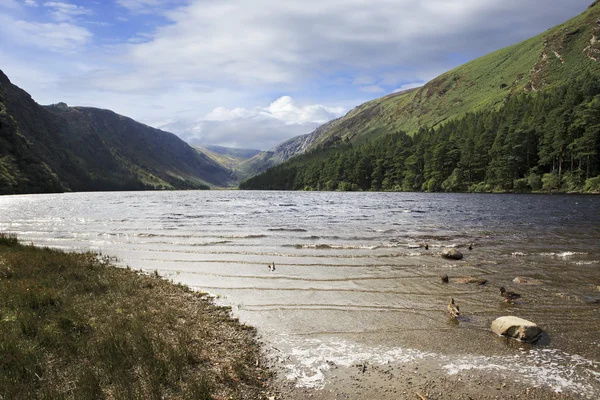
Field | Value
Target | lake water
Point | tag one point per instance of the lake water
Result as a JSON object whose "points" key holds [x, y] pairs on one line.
{"points": [[353, 281]]}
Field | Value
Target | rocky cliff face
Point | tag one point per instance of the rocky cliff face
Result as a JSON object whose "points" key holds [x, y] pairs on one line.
{"points": [[282, 152], [57, 147]]}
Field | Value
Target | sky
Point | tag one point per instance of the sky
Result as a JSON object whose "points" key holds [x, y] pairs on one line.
{"points": [[250, 73]]}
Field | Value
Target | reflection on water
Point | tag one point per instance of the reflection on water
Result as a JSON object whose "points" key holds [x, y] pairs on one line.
{"points": [[354, 280]]}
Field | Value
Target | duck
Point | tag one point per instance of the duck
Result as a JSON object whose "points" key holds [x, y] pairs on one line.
{"points": [[453, 308], [426, 246], [471, 246], [445, 278], [508, 296], [272, 266]]}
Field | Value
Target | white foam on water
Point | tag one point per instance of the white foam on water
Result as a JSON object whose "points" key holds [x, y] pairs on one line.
{"points": [[560, 371], [518, 254], [313, 358], [563, 254], [309, 360]]}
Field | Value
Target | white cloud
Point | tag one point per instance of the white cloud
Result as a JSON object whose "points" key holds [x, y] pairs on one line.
{"points": [[286, 110], [57, 37], [10, 4], [260, 128], [66, 11], [273, 42], [283, 109], [220, 58], [251, 133], [225, 114], [150, 6], [31, 3]]}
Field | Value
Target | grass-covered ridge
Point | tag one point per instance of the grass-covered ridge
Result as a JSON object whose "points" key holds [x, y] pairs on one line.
{"points": [[74, 327], [540, 63]]}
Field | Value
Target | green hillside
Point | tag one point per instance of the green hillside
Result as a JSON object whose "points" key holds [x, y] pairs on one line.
{"points": [[59, 148], [230, 158], [540, 63], [524, 118]]}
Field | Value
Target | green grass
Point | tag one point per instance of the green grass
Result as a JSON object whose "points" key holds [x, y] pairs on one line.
{"points": [[74, 327]]}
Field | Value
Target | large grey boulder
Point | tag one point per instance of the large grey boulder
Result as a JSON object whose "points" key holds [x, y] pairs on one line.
{"points": [[452, 254], [516, 328]]}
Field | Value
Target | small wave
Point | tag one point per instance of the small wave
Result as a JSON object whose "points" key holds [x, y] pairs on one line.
{"points": [[287, 230], [564, 254], [323, 246], [592, 262], [518, 254], [241, 236]]}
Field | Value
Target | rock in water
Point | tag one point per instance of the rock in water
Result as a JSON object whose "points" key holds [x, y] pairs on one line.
{"points": [[516, 328], [519, 280], [452, 254], [470, 279]]}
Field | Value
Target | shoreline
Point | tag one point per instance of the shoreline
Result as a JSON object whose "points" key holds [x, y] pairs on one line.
{"points": [[73, 325], [421, 379], [244, 364]]}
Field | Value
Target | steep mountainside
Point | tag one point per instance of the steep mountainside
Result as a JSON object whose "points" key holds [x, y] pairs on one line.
{"points": [[83, 149], [522, 118], [21, 170], [281, 153], [537, 64]]}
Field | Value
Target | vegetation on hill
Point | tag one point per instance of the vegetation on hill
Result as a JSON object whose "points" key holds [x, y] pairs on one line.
{"points": [[60, 148], [498, 123], [230, 158], [546, 141], [74, 327], [543, 62]]}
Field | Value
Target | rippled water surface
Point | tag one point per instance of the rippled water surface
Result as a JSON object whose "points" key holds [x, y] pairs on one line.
{"points": [[353, 281]]}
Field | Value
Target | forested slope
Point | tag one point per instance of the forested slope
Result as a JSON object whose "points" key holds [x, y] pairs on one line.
{"points": [[545, 141]]}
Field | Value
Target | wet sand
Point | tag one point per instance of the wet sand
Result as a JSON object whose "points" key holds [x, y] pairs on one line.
{"points": [[415, 380]]}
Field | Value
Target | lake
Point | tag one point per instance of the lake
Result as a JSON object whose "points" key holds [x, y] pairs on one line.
{"points": [[353, 281]]}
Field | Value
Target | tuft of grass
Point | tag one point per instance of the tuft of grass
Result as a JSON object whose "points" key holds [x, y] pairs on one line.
{"points": [[72, 326], [8, 239]]}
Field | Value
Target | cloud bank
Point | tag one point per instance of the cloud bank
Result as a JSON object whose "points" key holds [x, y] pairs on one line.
{"points": [[211, 69]]}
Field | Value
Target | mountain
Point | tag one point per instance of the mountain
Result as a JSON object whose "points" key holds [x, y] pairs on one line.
{"points": [[242, 154], [228, 157], [60, 148], [523, 111], [537, 64], [280, 153]]}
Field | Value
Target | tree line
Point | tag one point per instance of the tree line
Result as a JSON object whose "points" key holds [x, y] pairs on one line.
{"points": [[545, 141]]}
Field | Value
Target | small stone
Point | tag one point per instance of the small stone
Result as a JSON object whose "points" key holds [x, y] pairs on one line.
{"points": [[519, 280], [452, 254]]}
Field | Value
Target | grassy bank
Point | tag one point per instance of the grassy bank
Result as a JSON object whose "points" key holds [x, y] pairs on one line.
{"points": [[74, 327]]}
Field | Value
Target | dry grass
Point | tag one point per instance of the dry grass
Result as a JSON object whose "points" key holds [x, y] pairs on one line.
{"points": [[74, 327]]}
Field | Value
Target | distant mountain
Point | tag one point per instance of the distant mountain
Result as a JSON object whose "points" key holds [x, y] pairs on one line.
{"points": [[228, 157], [60, 148], [242, 154], [502, 122], [543, 62], [280, 153]]}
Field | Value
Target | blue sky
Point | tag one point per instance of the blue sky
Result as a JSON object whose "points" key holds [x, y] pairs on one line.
{"points": [[250, 73]]}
